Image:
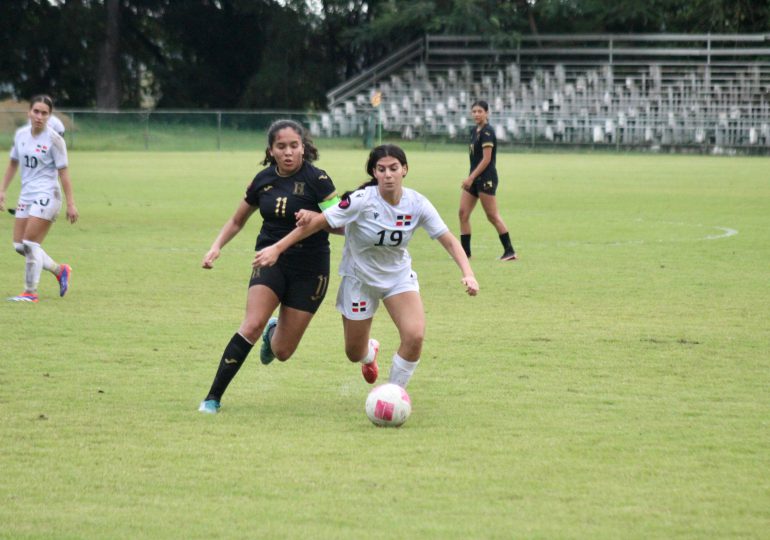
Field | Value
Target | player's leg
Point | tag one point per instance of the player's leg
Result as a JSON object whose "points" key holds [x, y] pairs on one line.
{"points": [[489, 204], [467, 204], [260, 304], [19, 226], [42, 214], [359, 347], [358, 303], [303, 293], [289, 330], [407, 312], [35, 232]]}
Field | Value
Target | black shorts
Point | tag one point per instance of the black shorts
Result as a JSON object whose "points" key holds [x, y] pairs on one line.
{"points": [[488, 187], [295, 288]]}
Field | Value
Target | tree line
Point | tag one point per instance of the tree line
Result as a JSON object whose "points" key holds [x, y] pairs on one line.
{"points": [[285, 54]]}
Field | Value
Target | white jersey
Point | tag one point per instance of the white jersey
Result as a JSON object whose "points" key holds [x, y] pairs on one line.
{"points": [[377, 234], [40, 158]]}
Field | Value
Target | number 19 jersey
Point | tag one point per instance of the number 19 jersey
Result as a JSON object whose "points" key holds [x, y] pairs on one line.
{"points": [[377, 234]]}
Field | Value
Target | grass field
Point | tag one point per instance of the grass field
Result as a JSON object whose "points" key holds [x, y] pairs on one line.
{"points": [[613, 383]]}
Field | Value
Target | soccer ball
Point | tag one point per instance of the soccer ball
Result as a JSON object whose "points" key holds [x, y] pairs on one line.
{"points": [[388, 405]]}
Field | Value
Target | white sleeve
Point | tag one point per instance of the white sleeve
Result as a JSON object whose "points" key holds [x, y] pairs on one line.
{"points": [[14, 151], [431, 221], [59, 148], [347, 210]]}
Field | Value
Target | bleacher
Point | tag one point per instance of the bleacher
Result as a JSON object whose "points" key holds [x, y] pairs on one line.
{"points": [[708, 92]]}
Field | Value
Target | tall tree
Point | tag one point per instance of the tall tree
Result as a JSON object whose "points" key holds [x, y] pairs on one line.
{"points": [[108, 95]]}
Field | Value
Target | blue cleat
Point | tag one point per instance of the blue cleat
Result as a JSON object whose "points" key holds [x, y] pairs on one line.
{"points": [[64, 279], [210, 406], [266, 352]]}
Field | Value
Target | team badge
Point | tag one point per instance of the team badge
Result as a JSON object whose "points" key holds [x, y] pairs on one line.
{"points": [[403, 221], [299, 188], [41, 149], [358, 307]]}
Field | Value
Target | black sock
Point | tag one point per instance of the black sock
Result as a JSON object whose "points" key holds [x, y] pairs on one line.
{"points": [[232, 359], [505, 240], [465, 240]]}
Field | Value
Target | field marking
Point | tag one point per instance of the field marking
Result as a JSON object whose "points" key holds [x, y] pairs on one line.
{"points": [[725, 232]]}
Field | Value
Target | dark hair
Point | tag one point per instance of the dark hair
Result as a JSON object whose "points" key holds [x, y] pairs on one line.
{"points": [[481, 103], [311, 152], [42, 98], [377, 153]]}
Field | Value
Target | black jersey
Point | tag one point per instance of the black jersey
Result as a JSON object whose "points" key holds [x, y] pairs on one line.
{"points": [[279, 197], [480, 138]]}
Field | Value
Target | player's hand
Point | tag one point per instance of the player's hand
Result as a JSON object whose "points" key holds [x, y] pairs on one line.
{"points": [[304, 217], [72, 213], [466, 184], [265, 257], [209, 258], [471, 285]]}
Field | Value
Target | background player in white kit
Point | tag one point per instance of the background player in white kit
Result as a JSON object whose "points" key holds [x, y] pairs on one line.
{"points": [[380, 219], [42, 154]]}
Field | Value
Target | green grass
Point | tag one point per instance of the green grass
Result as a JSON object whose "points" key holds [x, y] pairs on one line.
{"points": [[613, 383]]}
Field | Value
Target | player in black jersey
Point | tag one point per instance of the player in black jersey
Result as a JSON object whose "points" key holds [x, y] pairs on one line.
{"points": [[481, 183], [298, 283]]}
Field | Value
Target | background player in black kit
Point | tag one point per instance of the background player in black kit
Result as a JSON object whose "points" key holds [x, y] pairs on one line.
{"points": [[298, 283], [481, 183]]}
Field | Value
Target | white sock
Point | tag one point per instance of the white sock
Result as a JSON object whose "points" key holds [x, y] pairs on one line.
{"points": [[34, 254], [19, 247], [48, 263], [371, 353], [401, 370]]}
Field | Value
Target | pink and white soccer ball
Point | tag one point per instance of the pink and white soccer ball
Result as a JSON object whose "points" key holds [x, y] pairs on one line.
{"points": [[388, 405]]}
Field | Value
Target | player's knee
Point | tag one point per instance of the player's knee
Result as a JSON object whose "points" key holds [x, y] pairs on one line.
{"points": [[412, 341], [354, 352], [282, 351], [250, 331], [464, 215], [20, 248]]}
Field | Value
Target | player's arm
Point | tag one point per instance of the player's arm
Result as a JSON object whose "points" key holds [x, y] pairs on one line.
{"points": [[269, 255], [66, 185], [10, 172], [328, 202], [486, 159], [231, 228], [456, 251]]}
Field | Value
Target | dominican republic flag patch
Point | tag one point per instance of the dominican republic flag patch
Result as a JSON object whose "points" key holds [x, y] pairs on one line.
{"points": [[41, 148], [403, 221], [359, 307]]}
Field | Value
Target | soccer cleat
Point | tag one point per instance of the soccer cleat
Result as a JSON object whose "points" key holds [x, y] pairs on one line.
{"points": [[209, 406], [24, 297], [509, 256], [64, 279], [370, 370], [266, 352]]}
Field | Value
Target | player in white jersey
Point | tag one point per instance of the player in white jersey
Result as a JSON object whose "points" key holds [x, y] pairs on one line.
{"points": [[379, 220], [42, 154]]}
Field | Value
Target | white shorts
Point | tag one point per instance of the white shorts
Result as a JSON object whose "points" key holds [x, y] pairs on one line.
{"points": [[46, 207], [358, 301]]}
